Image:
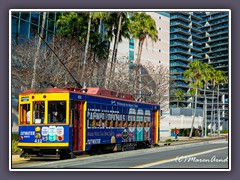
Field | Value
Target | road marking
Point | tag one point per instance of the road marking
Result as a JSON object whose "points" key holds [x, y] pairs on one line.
{"points": [[174, 159]]}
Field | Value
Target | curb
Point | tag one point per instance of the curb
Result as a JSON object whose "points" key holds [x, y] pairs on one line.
{"points": [[180, 142]]}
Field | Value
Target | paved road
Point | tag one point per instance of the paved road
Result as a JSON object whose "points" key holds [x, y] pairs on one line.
{"points": [[212, 154]]}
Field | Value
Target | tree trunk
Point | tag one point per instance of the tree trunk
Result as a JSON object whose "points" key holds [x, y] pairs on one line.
{"points": [[137, 66], [218, 112], [205, 113], [37, 52], [117, 41], [195, 109], [212, 111], [86, 47], [115, 47]]}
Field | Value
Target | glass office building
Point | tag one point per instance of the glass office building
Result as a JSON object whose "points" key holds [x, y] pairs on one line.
{"points": [[27, 25]]}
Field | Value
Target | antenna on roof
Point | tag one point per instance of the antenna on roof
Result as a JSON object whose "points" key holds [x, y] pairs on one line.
{"points": [[78, 84]]}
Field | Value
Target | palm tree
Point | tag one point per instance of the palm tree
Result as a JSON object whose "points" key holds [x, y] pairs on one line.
{"points": [[206, 77], [221, 79], [83, 26], [38, 49], [72, 25], [194, 76], [141, 27], [86, 47], [179, 95], [121, 29], [213, 83]]}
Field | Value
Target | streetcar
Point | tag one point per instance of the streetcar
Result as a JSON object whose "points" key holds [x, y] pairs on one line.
{"points": [[61, 122]]}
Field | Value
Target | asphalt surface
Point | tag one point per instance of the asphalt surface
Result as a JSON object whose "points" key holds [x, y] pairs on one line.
{"points": [[212, 154]]}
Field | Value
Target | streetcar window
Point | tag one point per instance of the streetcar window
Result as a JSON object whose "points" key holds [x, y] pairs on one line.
{"points": [[25, 114], [105, 123], [147, 118], [92, 123], [56, 111], [120, 123], [99, 123], [129, 123], [124, 118], [38, 112], [116, 123], [110, 123], [134, 124]]}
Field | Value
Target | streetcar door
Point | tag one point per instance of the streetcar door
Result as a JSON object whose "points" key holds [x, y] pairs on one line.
{"points": [[78, 126]]}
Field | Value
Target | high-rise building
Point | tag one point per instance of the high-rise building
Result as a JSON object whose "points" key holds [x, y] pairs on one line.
{"points": [[199, 36], [215, 43], [185, 46]]}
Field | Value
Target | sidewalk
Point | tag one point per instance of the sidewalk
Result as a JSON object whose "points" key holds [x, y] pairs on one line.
{"points": [[185, 140]]}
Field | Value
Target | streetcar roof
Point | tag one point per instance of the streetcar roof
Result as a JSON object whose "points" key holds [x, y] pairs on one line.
{"points": [[90, 91]]}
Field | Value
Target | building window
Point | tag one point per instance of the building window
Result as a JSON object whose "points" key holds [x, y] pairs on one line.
{"points": [[159, 17], [131, 55], [159, 28], [159, 50], [159, 39]]}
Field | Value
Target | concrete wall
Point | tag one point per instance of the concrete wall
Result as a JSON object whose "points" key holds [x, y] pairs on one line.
{"points": [[180, 122]]}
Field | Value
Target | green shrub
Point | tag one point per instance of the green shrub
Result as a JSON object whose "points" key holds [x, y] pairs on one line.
{"points": [[224, 131], [15, 149], [168, 140], [14, 136]]}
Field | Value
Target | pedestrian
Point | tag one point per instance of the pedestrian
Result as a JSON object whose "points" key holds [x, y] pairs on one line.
{"points": [[176, 133]]}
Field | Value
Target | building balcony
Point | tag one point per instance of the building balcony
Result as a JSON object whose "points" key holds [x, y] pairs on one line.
{"points": [[196, 35], [196, 29], [217, 17], [217, 39], [179, 65], [177, 77], [177, 50], [195, 16], [181, 17], [196, 55], [180, 30], [180, 24], [198, 23], [218, 61], [180, 37], [218, 27], [218, 55], [196, 42], [218, 33], [178, 57], [181, 44], [219, 44], [196, 48], [219, 22], [219, 49]]}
